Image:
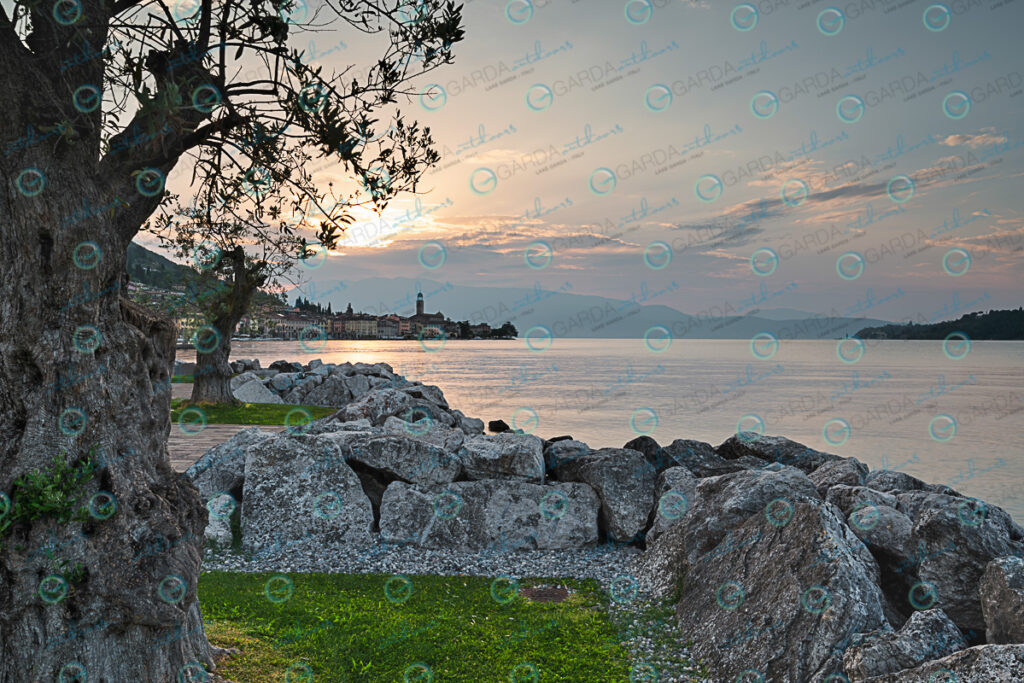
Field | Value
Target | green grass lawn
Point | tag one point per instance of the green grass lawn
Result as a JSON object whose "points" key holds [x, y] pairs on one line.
{"points": [[249, 413], [372, 627]]}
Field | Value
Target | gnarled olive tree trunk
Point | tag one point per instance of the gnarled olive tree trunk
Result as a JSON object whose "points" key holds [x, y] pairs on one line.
{"points": [[82, 370]]}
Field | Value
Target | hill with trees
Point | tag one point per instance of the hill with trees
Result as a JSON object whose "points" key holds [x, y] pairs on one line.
{"points": [[1008, 324]]}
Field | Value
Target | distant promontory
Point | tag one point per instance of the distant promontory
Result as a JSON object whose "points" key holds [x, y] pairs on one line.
{"points": [[1007, 325]]}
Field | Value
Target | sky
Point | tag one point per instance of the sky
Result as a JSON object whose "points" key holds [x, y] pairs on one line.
{"points": [[826, 154]]}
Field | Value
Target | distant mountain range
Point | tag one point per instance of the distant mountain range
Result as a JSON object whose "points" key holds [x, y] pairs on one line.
{"points": [[568, 314]]}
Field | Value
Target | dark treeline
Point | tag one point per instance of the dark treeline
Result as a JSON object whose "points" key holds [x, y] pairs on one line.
{"points": [[1007, 324]]}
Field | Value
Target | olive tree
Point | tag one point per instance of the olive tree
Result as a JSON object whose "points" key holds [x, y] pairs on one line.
{"points": [[100, 541]]}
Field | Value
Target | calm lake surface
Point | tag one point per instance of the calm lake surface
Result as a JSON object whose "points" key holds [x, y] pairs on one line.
{"points": [[896, 400]]}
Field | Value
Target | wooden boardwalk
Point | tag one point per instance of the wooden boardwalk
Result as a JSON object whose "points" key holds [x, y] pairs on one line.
{"points": [[185, 449]]}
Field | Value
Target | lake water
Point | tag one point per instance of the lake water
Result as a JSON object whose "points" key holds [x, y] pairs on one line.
{"points": [[896, 400]]}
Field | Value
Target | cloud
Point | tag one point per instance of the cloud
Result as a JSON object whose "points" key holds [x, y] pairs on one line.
{"points": [[986, 138]]}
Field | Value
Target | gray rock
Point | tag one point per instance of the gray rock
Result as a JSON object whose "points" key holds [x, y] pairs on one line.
{"points": [[321, 370], [285, 381], [659, 459], [427, 392], [403, 457], [332, 392], [470, 425], [358, 385], [490, 515], [623, 480], [559, 452], [702, 460], [379, 405], [725, 501], [893, 481], [300, 487], [979, 664], [503, 456], [774, 449], [253, 391], [887, 533], [328, 424], [222, 468], [913, 503], [846, 498], [218, 525], [241, 379], [314, 364], [959, 537], [1002, 600], [847, 471], [448, 438], [265, 373], [758, 603], [927, 635], [674, 495]]}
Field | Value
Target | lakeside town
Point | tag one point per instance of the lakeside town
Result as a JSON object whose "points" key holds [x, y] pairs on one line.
{"points": [[272, 319]]}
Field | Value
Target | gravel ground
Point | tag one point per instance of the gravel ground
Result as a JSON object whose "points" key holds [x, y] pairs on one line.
{"points": [[649, 633]]}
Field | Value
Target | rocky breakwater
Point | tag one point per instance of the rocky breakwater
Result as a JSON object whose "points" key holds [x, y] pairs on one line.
{"points": [[784, 563]]}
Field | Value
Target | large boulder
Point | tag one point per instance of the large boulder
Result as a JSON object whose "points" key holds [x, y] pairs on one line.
{"points": [[291, 496], [239, 380], [847, 471], [490, 515], [379, 405], [624, 481], [222, 468], [427, 392], [702, 460], [402, 457], [774, 449], [959, 537], [503, 456], [469, 425], [659, 459], [979, 664], [563, 451], [846, 498], [927, 635], [284, 382], [253, 391], [674, 495], [759, 604], [218, 524], [332, 392], [1002, 600], [886, 532], [448, 438]]}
